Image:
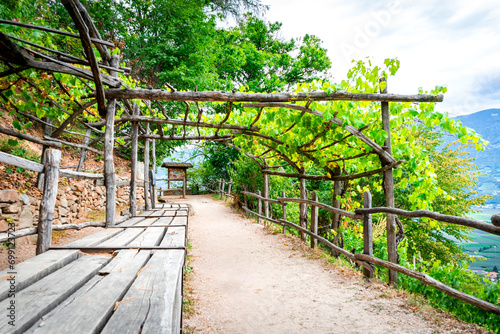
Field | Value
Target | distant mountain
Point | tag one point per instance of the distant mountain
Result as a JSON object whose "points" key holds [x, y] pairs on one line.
{"points": [[487, 124]]}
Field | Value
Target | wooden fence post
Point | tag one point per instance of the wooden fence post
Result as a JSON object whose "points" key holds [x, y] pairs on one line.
{"points": [[184, 185], [266, 195], [229, 188], [84, 151], [389, 193], [245, 200], [146, 170], [314, 220], [337, 191], [303, 207], [109, 143], [367, 232], [284, 211], [51, 171], [133, 158], [259, 206], [47, 132]]}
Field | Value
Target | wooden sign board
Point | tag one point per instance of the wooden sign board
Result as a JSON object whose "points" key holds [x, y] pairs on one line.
{"points": [[176, 173]]}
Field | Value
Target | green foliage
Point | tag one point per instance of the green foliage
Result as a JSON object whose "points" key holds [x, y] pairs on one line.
{"points": [[458, 277]]}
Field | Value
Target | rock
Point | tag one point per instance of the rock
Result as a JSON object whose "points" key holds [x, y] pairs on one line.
{"points": [[74, 208], [140, 171], [63, 211], [26, 217], [63, 201], [14, 208], [33, 200], [25, 199], [9, 196], [3, 226], [64, 220]]}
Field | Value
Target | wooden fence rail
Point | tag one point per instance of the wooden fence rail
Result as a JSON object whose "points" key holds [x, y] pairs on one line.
{"points": [[53, 172], [366, 260]]}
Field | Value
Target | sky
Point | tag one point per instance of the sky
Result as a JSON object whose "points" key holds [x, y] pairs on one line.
{"points": [[454, 43]]}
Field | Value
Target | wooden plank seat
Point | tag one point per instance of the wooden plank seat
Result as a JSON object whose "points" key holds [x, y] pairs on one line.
{"points": [[135, 289]]}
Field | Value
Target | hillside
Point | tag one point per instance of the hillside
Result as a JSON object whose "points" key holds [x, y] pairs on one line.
{"points": [[487, 123]]}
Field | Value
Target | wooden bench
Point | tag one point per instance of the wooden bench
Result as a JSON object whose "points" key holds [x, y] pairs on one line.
{"points": [[126, 279]]}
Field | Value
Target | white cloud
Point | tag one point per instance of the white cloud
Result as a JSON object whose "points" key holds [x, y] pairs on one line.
{"points": [[448, 42]]}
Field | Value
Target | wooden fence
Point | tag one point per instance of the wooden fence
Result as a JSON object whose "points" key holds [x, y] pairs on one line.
{"points": [[51, 172], [366, 258]]}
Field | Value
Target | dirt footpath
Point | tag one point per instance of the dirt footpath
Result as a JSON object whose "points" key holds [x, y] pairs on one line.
{"points": [[247, 280]]}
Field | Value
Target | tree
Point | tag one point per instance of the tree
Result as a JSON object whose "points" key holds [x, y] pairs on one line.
{"points": [[252, 54]]}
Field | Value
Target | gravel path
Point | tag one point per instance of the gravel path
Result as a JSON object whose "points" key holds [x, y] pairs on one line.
{"points": [[247, 280]]}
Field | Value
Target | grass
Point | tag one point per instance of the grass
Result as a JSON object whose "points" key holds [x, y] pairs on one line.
{"points": [[96, 215]]}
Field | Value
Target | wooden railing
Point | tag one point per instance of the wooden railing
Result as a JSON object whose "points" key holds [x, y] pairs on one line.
{"points": [[52, 172], [366, 258]]}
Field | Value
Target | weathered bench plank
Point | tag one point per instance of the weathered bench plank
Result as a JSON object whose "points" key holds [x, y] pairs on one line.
{"points": [[41, 297], [150, 237], [89, 311], [34, 269], [153, 303]]}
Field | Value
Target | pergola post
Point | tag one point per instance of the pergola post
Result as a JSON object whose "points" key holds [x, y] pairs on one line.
{"points": [[51, 171], [146, 170], [389, 192], [133, 158], [109, 164], [154, 187]]}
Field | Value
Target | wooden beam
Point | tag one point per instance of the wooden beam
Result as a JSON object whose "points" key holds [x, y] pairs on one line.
{"points": [[436, 216], [335, 178], [74, 145], [55, 31], [145, 119], [426, 279], [74, 12], [163, 95], [323, 206], [57, 132], [46, 215], [30, 138]]}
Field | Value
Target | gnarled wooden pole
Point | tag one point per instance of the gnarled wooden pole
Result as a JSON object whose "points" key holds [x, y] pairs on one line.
{"points": [[303, 207], [367, 232], [146, 171], [266, 195], [314, 220], [109, 164], [133, 158], [51, 171], [389, 194]]}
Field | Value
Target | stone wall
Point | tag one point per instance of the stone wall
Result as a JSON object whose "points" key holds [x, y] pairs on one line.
{"points": [[75, 199]]}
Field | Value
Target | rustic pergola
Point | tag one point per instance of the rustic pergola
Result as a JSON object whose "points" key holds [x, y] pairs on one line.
{"points": [[113, 97]]}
